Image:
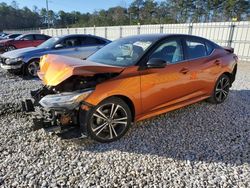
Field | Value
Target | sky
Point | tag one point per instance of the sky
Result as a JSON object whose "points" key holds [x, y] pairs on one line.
{"points": [[72, 5]]}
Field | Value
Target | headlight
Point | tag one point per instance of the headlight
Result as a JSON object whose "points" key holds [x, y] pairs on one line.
{"points": [[67, 100], [13, 60]]}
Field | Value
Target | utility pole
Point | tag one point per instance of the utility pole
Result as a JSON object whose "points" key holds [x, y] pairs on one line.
{"points": [[47, 7]]}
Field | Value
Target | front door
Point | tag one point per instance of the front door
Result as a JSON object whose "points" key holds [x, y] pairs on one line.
{"points": [[163, 87]]}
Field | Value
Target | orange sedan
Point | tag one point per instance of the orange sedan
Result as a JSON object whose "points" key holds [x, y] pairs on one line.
{"points": [[130, 79]]}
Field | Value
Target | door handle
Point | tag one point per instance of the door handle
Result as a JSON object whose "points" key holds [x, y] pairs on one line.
{"points": [[184, 71], [217, 62]]}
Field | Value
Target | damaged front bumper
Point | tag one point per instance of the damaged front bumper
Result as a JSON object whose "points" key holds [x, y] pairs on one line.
{"points": [[56, 112]]}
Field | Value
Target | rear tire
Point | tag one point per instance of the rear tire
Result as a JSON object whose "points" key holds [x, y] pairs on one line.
{"points": [[221, 90], [108, 121]]}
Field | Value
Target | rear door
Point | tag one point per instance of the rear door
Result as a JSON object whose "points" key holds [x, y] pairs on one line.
{"points": [[201, 64]]}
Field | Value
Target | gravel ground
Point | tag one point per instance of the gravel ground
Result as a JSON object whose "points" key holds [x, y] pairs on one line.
{"points": [[202, 145]]}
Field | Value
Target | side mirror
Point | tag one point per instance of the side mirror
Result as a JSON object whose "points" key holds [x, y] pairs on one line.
{"points": [[156, 63], [58, 46]]}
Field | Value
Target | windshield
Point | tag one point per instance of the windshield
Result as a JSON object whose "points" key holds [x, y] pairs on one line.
{"points": [[19, 37], [13, 36], [123, 52], [49, 43]]}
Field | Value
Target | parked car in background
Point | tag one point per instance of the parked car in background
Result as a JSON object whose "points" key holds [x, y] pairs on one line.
{"points": [[129, 80], [12, 36], [27, 59], [2, 35], [23, 41]]}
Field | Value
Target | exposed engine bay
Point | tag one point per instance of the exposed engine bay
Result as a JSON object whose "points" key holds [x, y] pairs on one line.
{"points": [[56, 108]]}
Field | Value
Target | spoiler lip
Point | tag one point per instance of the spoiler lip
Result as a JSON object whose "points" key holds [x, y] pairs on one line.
{"points": [[228, 49]]}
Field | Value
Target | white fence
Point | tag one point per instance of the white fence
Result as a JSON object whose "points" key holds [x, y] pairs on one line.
{"points": [[234, 34], [23, 31]]}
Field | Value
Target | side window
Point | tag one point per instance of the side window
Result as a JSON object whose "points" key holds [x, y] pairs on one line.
{"points": [[90, 41], [71, 42], [195, 48], [170, 51], [100, 41], [40, 37], [28, 37], [209, 48]]}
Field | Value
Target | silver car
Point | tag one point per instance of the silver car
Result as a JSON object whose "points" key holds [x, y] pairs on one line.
{"points": [[26, 60]]}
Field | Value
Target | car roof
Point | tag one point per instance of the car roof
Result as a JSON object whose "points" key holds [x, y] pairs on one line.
{"points": [[82, 35], [162, 36], [33, 34]]}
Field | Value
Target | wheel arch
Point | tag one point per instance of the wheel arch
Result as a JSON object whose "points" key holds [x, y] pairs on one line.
{"points": [[231, 75], [11, 45], [128, 101], [32, 59], [26, 63], [8, 45]]}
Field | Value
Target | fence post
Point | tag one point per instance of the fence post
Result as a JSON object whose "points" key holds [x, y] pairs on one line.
{"points": [[106, 32], [190, 28], [161, 28], [76, 31], [231, 33], [94, 30], [121, 32], [67, 30], [138, 29], [84, 30]]}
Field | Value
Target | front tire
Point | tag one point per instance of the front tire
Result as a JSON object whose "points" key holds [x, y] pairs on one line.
{"points": [[108, 121], [32, 68], [10, 48], [221, 90]]}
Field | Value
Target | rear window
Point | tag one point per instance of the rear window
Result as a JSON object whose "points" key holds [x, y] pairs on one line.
{"points": [[196, 49], [27, 37], [41, 37], [210, 47], [92, 41]]}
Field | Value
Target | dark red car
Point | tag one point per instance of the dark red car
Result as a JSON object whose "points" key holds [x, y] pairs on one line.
{"points": [[23, 41]]}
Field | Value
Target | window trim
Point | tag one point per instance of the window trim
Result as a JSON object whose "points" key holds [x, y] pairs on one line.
{"points": [[45, 37], [145, 57], [204, 40], [157, 45], [33, 38], [194, 39], [97, 39], [66, 38]]}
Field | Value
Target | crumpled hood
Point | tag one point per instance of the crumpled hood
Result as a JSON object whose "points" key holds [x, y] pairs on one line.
{"points": [[54, 69], [22, 52]]}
